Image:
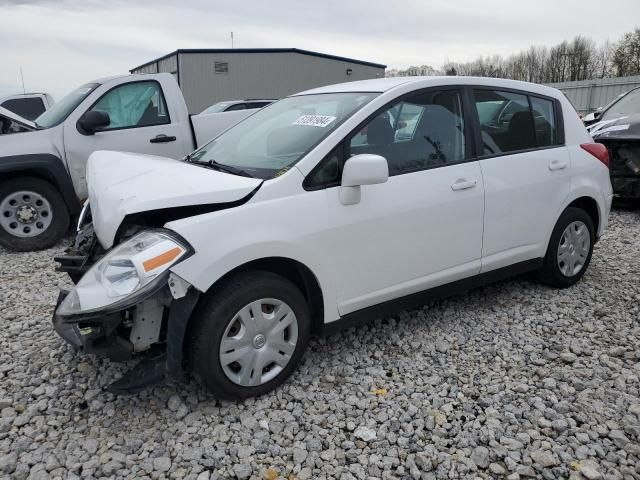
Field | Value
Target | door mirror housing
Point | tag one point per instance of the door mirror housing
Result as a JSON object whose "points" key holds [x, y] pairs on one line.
{"points": [[364, 169], [93, 120]]}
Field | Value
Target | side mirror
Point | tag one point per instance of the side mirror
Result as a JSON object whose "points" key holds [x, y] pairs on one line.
{"points": [[364, 169], [92, 121]]}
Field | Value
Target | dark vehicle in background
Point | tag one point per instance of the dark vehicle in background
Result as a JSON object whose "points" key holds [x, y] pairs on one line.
{"points": [[617, 126]]}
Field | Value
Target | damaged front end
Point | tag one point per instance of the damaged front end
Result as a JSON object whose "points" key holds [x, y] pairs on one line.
{"points": [[127, 304]]}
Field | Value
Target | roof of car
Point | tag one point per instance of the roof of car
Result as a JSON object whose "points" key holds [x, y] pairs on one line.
{"points": [[388, 83]]}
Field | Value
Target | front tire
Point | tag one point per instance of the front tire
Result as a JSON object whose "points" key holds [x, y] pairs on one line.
{"points": [[249, 335], [33, 215], [570, 249]]}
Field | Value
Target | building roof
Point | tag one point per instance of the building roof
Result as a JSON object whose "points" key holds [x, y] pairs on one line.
{"points": [[260, 50]]}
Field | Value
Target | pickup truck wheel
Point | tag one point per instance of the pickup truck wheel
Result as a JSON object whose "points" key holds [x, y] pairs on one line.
{"points": [[249, 335], [33, 214], [570, 248]]}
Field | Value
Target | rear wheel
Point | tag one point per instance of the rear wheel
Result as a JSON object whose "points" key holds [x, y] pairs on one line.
{"points": [[249, 335], [570, 248], [33, 214]]}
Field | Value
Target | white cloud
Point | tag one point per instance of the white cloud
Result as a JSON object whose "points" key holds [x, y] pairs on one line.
{"points": [[61, 44]]}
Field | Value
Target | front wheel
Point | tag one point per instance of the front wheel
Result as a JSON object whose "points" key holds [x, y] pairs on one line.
{"points": [[570, 248], [249, 335], [33, 214]]}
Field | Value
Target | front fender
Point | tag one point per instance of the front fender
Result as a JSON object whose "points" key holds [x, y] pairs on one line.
{"points": [[279, 227], [45, 166]]}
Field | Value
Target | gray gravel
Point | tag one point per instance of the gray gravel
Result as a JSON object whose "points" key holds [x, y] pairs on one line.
{"points": [[510, 381]]}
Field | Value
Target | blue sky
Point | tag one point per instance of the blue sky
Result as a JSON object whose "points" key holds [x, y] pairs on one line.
{"points": [[63, 43]]}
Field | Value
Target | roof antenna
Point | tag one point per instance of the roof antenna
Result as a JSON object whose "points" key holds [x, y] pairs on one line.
{"points": [[231, 39], [22, 77]]}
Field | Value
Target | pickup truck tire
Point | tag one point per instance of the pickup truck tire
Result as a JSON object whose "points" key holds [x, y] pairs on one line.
{"points": [[570, 248], [33, 214], [248, 335]]}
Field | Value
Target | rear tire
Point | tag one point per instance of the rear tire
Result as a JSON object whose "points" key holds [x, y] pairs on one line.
{"points": [[33, 215], [570, 249], [239, 345]]}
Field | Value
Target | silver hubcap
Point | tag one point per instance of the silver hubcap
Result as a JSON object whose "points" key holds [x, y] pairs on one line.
{"points": [[573, 249], [25, 214], [258, 342]]}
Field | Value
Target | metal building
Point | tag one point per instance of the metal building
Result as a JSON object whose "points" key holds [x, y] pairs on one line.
{"points": [[588, 95], [207, 76]]}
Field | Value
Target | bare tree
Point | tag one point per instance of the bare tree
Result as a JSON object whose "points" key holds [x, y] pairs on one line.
{"points": [[626, 54], [578, 59]]}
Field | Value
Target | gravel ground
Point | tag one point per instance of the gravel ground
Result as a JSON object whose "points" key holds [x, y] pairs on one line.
{"points": [[511, 381]]}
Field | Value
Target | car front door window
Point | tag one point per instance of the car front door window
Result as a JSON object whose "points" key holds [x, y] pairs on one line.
{"points": [[132, 105], [422, 131]]}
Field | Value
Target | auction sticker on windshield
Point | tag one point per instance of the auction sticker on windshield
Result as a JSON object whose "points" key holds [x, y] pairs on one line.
{"points": [[314, 120]]}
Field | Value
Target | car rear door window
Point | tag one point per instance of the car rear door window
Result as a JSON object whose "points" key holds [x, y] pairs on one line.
{"points": [[422, 131], [545, 122], [511, 121], [506, 123]]}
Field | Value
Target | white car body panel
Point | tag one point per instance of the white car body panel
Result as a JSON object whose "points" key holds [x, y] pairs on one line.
{"points": [[48, 141], [518, 190], [126, 183], [409, 234]]}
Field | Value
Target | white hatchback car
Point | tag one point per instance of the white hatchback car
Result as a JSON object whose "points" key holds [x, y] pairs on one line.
{"points": [[324, 209]]}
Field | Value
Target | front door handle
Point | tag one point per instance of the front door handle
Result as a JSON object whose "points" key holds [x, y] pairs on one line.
{"points": [[162, 139], [557, 165], [462, 184]]}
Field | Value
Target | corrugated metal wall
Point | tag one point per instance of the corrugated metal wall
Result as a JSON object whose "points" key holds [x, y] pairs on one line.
{"points": [[166, 65], [588, 95], [151, 68], [261, 75]]}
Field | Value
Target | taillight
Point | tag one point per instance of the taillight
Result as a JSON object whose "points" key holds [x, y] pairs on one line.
{"points": [[598, 150]]}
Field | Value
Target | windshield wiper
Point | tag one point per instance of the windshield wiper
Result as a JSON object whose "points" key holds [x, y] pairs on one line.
{"points": [[227, 168], [217, 166]]}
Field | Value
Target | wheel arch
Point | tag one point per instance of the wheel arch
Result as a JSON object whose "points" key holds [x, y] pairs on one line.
{"points": [[46, 167], [293, 270], [585, 201], [590, 206]]}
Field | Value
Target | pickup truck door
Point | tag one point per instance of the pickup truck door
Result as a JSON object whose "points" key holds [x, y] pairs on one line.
{"points": [[141, 122]]}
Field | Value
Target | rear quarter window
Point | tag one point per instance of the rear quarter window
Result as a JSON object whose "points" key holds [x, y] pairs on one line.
{"points": [[29, 108]]}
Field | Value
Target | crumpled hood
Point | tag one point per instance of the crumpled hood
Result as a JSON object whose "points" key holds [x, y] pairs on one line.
{"points": [[124, 183], [624, 127]]}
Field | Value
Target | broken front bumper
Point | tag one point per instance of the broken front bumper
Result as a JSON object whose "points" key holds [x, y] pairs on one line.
{"points": [[112, 334]]}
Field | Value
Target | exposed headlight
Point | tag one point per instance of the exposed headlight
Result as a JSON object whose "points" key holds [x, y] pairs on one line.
{"points": [[130, 270]]}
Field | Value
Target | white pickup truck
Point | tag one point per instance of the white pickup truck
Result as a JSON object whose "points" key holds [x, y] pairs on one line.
{"points": [[42, 172]]}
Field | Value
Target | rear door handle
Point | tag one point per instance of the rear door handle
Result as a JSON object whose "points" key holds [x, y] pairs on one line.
{"points": [[162, 139], [463, 184], [557, 164]]}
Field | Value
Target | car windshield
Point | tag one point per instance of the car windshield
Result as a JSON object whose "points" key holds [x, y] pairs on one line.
{"points": [[630, 103], [273, 139], [62, 109], [216, 108]]}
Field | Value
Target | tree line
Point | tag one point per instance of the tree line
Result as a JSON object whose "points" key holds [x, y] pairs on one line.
{"points": [[577, 59]]}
